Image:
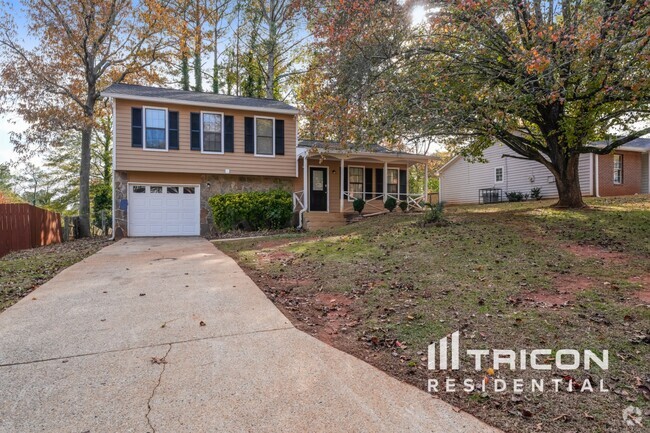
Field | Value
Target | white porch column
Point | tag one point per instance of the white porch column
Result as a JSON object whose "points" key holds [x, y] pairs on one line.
{"points": [[342, 185], [305, 193], [385, 186], [426, 182]]}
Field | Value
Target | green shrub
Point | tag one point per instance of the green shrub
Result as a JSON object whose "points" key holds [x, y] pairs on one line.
{"points": [[403, 205], [433, 214], [536, 193], [253, 210], [516, 196], [102, 205], [390, 204], [358, 204]]}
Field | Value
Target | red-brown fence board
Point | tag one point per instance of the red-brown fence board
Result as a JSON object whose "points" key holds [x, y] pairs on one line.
{"points": [[25, 226]]}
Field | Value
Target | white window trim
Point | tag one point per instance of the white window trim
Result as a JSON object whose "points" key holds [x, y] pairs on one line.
{"points": [[223, 144], [255, 136], [503, 174], [620, 181], [363, 181], [397, 194], [144, 128]]}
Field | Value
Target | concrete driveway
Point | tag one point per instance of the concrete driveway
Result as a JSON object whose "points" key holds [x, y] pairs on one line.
{"points": [[169, 335]]}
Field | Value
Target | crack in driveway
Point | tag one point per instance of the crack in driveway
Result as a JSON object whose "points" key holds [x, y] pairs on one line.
{"points": [[162, 361]]}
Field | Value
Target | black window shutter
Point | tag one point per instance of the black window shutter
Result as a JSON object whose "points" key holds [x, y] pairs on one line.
{"points": [[402, 184], [345, 182], [279, 137], [379, 181], [195, 131], [249, 138], [136, 127], [229, 134], [368, 185], [173, 130]]}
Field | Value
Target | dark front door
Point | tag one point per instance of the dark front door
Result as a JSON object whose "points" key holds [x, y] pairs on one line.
{"points": [[317, 189]]}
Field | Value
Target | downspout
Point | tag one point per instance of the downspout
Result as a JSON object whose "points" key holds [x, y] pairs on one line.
{"points": [[597, 175], [301, 216], [112, 238]]}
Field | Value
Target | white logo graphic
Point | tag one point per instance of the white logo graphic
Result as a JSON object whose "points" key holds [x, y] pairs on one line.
{"points": [[455, 349]]}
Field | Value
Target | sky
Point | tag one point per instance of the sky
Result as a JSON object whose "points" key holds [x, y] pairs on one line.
{"points": [[9, 123]]}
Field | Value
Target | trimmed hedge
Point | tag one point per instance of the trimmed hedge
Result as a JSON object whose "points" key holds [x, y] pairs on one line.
{"points": [[254, 210]]}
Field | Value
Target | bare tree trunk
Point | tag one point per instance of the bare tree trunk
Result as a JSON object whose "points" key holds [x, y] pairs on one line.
{"points": [[568, 185], [84, 182], [270, 79]]}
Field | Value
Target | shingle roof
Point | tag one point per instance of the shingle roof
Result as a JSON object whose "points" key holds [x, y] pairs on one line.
{"points": [[197, 98], [638, 144], [335, 146]]}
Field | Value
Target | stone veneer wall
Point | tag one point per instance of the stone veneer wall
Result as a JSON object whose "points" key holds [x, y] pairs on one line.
{"points": [[210, 185]]}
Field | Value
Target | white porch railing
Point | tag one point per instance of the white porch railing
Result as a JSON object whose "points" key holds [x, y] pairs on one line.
{"points": [[299, 201], [414, 201]]}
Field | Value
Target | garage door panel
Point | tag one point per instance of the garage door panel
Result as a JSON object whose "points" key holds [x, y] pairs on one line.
{"points": [[163, 210]]}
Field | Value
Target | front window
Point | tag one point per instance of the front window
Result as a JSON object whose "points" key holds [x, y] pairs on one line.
{"points": [[155, 127], [212, 137], [498, 174], [355, 182], [618, 169], [393, 181], [264, 136]]}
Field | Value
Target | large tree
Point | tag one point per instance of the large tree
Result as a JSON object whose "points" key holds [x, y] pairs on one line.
{"points": [[81, 47], [544, 78]]}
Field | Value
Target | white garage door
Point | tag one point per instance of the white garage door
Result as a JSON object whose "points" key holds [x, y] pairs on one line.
{"points": [[163, 210]]}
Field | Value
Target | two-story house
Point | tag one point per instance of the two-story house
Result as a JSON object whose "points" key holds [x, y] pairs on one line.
{"points": [[175, 149]]}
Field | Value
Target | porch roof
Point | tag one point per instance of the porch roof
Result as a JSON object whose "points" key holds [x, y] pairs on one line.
{"points": [[316, 148]]}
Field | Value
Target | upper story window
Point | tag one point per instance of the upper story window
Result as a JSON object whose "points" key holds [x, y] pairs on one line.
{"points": [[498, 174], [392, 181], [212, 132], [355, 182], [265, 136], [155, 128], [618, 169]]}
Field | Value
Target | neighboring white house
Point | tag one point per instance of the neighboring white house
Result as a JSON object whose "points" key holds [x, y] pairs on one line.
{"points": [[623, 172], [460, 180]]}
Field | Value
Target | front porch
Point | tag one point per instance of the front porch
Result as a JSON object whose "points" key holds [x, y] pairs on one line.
{"points": [[329, 181]]}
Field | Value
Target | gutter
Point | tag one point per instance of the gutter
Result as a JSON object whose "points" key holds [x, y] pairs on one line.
{"points": [[198, 103], [112, 238]]}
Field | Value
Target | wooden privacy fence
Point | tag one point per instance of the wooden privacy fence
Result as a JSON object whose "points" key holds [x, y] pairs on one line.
{"points": [[25, 226]]}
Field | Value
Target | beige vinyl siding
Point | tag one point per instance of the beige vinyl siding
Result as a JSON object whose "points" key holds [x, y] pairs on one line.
{"points": [[185, 160], [461, 180]]}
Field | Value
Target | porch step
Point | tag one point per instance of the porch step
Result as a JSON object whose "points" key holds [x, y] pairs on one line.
{"points": [[323, 220]]}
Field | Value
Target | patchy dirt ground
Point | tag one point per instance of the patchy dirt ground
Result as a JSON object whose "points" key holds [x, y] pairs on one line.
{"points": [[508, 276], [23, 271]]}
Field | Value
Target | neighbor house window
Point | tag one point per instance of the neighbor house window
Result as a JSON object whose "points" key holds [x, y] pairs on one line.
{"points": [[264, 136], [618, 169], [393, 181], [498, 174], [155, 128], [212, 129], [355, 182]]}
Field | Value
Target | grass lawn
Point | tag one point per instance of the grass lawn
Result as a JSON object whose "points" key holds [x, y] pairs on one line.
{"points": [[508, 276], [23, 271]]}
